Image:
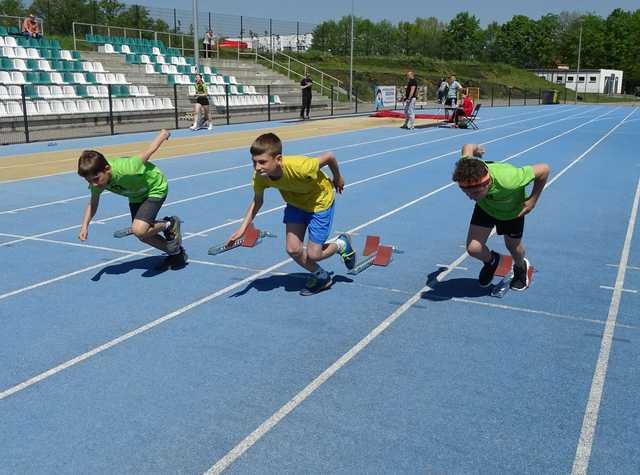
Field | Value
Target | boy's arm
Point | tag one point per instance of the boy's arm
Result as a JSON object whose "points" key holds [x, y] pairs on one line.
{"points": [[328, 158], [470, 150], [254, 207], [89, 213], [541, 173], [155, 145]]}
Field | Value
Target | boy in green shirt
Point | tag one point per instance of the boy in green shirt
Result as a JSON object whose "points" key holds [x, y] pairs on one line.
{"points": [[499, 192], [145, 186], [310, 200]]}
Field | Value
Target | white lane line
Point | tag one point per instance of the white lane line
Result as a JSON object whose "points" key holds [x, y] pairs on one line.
{"points": [[233, 168], [272, 421], [271, 210], [607, 287], [628, 267], [590, 420]]}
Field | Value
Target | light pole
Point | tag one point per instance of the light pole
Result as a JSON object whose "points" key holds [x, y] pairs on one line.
{"points": [[351, 61], [578, 70], [196, 53]]}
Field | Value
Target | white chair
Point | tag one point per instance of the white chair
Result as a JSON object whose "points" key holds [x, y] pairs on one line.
{"points": [[125, 49], [14, 109], [20, 65], [276, 99], [78, 78], [144, 59], [251, 89], [57, 107], [43, 65], [149, 69], [88, 66], [70, 107], [263, 99], [129, 105], [43, 108], [20, 52], [10, 41], [133, 90], [3, 110], [121, 79], [101, 78], [143, 91], [183, 61], [66, 54], [97, 67], [207, 70], [233, 89], [31, 109], [106, 48], [174, 60], [92, 91], [185, 79], [192, 90], [166, 103], [165, 69], [8, 52], [232, 80], [56, 92], [160, 59], [95, 105], [155, 51], [33, 53], [56, 78], [149, 104], [15, 92], [83, 106], [104, 103], [111, 78], [103, 91], [138, 104], [4, 92], [157, 103], [5, 77], [68, 92], [43, 91], [17, 77], [118, 105], [2, 43]]}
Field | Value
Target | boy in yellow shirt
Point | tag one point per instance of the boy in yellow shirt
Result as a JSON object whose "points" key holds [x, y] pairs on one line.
{"points": [[310, 198]]}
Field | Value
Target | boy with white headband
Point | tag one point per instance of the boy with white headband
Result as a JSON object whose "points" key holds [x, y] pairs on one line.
{"points": [[499, 190]]}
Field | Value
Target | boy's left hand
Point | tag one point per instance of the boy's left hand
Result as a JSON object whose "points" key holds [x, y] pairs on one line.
{"points": [[527, 207], [338, 184], [165, 134]]}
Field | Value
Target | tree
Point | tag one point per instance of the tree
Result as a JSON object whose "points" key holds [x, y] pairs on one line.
{"points": [[463, 36], [12, 8]]}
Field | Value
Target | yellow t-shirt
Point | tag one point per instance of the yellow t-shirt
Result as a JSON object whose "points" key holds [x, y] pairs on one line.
{"points": [[302, 184]]}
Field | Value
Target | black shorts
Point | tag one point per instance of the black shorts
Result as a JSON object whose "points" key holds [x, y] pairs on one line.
{"points": [[451, 101], [202, 100], [514, 228], [147, 210]]}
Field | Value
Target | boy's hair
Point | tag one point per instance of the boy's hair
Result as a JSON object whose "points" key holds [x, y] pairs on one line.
{"points": [[91, 163], [266, 143], [469, 170]]}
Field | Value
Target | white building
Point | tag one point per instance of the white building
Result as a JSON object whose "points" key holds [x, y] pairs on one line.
{"points": [[603, 81], [300, 42]]}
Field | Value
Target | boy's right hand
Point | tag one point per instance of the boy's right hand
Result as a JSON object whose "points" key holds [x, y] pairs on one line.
{"points": [[84, 233], [235, 236], [165, 134]]}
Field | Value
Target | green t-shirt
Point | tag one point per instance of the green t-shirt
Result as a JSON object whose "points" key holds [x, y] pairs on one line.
{"points": [[507, 192], [134, 178]]}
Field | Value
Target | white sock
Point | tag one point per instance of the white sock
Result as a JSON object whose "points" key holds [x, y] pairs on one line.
{"points": [[341, 245]]}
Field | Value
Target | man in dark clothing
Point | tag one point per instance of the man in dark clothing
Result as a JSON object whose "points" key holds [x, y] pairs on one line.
{"points": [[410, 97], [305, 86]]}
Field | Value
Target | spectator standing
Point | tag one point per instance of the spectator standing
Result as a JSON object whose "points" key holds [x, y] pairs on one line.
{"points": [[208, 41], [410, 97], [305, 85]]}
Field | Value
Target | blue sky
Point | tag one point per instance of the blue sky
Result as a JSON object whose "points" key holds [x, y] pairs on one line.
{"points": [[394, 10]]}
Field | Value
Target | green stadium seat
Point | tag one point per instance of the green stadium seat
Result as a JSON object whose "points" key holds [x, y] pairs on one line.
{"points": [[76, 55], [68, 77], [3, 31], [30, 91], [91, 77], [81, 91], [44, 77], [13, 30], [32, 64], [56, 65], [6, 64]]}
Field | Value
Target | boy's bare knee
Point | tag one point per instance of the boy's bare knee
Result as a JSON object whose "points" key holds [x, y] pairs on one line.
{"points": [[315, 254], [295, 250], [139, 230], [474, 247]]}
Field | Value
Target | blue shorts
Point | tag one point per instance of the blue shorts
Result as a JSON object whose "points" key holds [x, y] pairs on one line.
{"points": [[318, 224]]}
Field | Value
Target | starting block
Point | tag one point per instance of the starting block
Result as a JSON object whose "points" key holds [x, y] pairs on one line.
{"points": [[505, 270], [250, 238], [374, 255], [124, 232]]}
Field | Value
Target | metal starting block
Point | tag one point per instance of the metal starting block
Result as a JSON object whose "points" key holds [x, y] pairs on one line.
{"points": [[124, 232], [505, 270], [250, 238], [374, 255]]}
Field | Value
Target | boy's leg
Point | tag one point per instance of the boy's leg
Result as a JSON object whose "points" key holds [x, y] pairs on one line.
{"points": [[146, 228], [479, 231], [516, 249], [513, 231], [476, 242], [295, 246], [148, 233]]}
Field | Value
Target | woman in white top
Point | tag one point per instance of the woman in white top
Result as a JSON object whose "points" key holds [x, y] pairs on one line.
{"points": [[208, 42]]}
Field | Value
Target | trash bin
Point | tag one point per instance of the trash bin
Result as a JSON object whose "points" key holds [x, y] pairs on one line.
{"points": [[550, 96]]}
